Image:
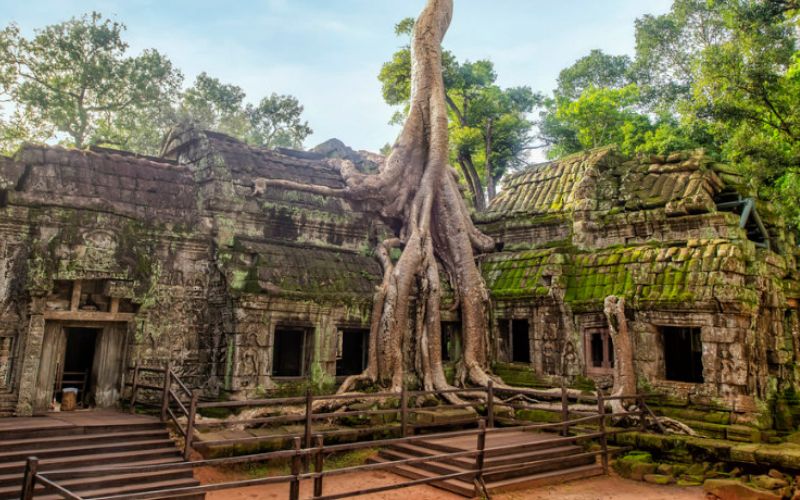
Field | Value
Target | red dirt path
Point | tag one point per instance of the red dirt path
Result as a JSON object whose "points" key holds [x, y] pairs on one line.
{"points": [[598, 488]]}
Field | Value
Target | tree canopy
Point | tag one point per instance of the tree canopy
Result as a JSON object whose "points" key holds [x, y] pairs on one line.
{"points": [[74, 83], [722, 75]]}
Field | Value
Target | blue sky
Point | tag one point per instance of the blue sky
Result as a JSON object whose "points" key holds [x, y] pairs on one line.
{"points": [[328, 52]]}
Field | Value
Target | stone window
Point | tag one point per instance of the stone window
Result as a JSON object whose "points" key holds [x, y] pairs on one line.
{"points": [[291, 351], [515, 338], [683, 354], [599, 349], [352, 351]]}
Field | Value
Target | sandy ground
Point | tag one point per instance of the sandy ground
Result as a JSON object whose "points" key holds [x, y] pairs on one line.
{"points": [[598, 488]]}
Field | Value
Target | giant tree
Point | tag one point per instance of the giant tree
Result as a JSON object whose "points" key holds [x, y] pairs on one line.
{"points": [[417, 190]]}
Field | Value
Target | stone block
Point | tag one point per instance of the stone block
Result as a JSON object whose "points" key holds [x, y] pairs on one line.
{"points": [[732, 489], [658, 479], [768, 482]]}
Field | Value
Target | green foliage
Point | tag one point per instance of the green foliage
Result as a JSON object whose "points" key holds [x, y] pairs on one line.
{"points": [[274, 122], [722, 75]]}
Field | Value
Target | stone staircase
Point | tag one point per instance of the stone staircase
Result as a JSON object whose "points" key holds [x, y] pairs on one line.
{"points": [[518, 448], [82, 444]]}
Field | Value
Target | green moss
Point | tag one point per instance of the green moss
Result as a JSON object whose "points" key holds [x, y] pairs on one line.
{"points": [[519, 375], [538, 416]]}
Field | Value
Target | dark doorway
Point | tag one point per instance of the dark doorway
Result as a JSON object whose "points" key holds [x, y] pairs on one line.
{"points": [[351, 355], [520, 341], [451, 336], [683, 354], [78, 361], [289, 352]]}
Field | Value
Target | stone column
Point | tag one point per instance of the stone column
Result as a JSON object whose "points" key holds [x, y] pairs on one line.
{"points": [[30, 358]]}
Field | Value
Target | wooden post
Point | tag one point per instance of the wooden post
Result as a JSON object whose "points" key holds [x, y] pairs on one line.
{"points": [[165, 395], [29, 479], [404, 411], [187, 448], [490, 402], [134, 385], [564, 409], [308, 426], [294, 484], [601, 410], [480, 457], [319, 459]]}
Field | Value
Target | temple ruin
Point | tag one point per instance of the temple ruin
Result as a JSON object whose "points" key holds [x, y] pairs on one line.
{"points": [[109, 258]]}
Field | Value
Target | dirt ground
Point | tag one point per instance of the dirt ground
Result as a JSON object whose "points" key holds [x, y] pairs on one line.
{"points": [[598, 488]]}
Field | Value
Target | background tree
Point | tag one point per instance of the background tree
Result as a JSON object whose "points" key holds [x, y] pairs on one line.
{"points": [[73, 83], [214, 105], [490, 131], [276, 122], [73, 79]]}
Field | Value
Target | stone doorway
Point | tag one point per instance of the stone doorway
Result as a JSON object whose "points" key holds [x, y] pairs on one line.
{"points": [[85, 355]]}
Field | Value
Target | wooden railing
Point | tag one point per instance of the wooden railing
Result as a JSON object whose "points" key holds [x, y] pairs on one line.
{"points": [[171, 401], [404, 410], [574, 430]]}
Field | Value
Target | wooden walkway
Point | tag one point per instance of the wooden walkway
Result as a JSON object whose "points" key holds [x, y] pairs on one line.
{"points": [[514, 460]]}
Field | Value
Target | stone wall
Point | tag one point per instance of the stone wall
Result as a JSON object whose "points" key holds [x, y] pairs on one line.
{"points": [[204, 262]]}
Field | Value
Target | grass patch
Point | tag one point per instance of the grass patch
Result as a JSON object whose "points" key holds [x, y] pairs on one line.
{"points": [[282, 467]]}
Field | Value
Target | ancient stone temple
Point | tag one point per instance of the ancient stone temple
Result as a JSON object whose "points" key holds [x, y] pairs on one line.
{"points": [[108, 258], [709, 276]]}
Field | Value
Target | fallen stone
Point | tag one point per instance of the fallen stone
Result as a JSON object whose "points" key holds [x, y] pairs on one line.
{"points": [[694, 478], [658, 479], [731, 489], [642, 469], [776, 474], [768, 482], [697, 469], [684, 483], [665, 469]]}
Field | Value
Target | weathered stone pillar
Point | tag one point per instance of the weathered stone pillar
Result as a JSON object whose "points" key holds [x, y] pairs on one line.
{"points": [[30, 358]]}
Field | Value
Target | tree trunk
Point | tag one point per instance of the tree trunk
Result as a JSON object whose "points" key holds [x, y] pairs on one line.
{"points": [[490, 188], [624, 371], [473, 181], [416, 186]]}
